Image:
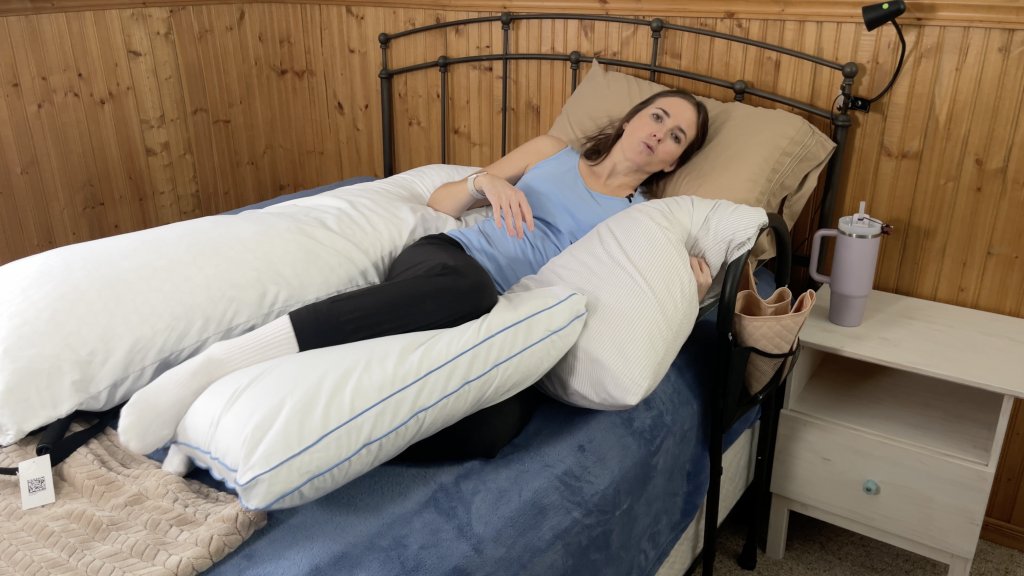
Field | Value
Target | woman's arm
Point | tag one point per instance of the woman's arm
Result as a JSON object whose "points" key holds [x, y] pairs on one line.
{"points": [[498, 186]]}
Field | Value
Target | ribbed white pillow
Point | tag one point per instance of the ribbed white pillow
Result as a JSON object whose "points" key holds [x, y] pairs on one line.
{"points": [[292, 429], [634, 269], [84, 326]]}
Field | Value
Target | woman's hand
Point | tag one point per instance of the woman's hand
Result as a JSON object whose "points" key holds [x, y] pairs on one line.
{"points": [[702, 275], [509, 204], [497, 183]]}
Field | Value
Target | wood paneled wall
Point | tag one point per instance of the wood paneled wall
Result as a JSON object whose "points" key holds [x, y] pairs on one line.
{"points": [[123, 118], [117, 120]]}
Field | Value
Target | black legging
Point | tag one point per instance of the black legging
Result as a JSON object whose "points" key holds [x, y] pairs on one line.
{"points": [[432, 284]]}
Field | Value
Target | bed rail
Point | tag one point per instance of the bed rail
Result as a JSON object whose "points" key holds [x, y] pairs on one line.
{"points": [[730, 400], [839, 118]]}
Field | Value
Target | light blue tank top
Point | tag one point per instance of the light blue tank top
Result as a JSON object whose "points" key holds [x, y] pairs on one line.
{"points": [[564, 209]]}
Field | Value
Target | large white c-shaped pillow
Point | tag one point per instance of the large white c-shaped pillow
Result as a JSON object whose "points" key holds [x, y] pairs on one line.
{"points": [[290, 430], [84, 326]]}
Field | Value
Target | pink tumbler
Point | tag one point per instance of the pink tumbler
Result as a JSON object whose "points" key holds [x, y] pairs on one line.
{"points": [[853, 266]]}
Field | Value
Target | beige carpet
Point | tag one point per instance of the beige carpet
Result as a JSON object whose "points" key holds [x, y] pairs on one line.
{"points": [[815, 548], [117, 513]]}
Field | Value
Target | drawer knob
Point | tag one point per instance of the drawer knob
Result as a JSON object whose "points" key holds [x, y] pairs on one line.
{"points": [[871, 487]]}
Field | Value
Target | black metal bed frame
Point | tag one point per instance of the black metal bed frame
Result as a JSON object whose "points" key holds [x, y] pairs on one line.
{"points": [[838, 118], [729, 397]]}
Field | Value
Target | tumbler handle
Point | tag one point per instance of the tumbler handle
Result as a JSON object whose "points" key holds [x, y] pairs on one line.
{"points": [[815, 248]]}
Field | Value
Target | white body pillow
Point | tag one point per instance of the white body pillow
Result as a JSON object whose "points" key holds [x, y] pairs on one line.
{"points": [[290, 430], [634, 269], [84, 326]]}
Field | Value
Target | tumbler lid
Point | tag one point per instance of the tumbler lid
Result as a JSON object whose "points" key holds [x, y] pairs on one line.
{"points": [[860, 225]]}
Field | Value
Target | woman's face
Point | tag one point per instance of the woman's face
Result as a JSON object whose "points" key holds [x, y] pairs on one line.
{"points": [[658, 134]]}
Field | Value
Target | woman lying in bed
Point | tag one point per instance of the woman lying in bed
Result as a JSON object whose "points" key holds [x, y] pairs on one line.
{"points": [[544, 196]]}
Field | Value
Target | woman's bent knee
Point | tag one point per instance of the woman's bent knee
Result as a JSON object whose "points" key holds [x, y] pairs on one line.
{"points": [[472, 291]]}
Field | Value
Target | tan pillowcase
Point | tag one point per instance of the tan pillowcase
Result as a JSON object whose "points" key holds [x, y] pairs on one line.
{"points": [[753, 156]]}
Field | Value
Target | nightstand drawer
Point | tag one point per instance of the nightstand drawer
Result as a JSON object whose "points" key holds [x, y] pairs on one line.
{"points": [[902, 490]]}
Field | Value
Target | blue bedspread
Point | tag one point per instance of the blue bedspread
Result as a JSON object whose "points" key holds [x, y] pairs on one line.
{"points": [[578, 492]]}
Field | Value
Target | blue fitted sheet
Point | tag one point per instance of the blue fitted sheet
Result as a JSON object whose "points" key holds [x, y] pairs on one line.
{"points": [[578, 492]]}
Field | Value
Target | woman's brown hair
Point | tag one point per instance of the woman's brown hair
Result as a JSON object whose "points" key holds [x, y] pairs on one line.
{"points": [[597, 146]]}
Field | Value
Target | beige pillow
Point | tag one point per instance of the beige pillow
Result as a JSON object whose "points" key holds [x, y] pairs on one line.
{"points": [[753, 156]]}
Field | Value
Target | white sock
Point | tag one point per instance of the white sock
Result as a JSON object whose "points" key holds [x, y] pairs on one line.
{"points": [[177, 462], [150, 418]]}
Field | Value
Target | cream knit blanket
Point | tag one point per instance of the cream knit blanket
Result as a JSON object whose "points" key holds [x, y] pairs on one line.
{"points": [[117, 513]]}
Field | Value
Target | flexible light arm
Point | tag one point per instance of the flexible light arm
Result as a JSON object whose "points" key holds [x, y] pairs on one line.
{"points": [[876, 15], [899, 65]]}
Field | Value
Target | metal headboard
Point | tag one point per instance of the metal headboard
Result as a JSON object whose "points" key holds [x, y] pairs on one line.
{"points": [[838, 118]]}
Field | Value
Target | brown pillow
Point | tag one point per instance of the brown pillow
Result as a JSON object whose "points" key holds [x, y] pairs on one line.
{"points": [[753, 156]]}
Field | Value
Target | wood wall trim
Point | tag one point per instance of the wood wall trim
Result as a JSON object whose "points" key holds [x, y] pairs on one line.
{"points": [[975, 13], [1003, 533]]}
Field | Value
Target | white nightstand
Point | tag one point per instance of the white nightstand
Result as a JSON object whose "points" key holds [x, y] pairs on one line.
{"points": [[893, 429]]}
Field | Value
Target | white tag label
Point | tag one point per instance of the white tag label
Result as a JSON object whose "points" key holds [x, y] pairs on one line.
{"points": [[36, 479]]}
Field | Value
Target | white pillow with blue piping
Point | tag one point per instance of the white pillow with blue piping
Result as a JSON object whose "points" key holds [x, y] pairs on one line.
{"points": [[290, 430]]}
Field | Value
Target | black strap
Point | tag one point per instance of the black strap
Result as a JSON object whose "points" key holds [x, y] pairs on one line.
{"points": [[53, 442]]}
